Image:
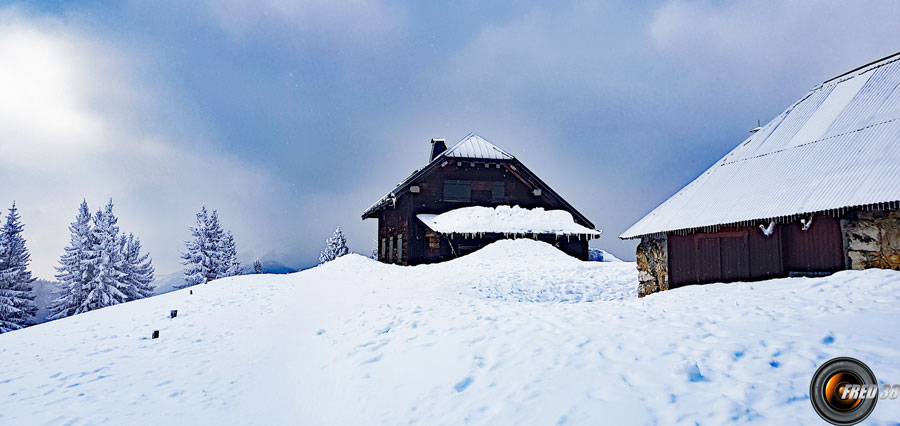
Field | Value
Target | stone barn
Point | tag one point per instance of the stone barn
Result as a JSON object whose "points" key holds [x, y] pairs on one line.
{"points": [[814, 191], [468, 196]]}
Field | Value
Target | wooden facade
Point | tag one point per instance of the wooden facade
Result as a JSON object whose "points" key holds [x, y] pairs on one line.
{"points": [[448, 183], [747, 254]]}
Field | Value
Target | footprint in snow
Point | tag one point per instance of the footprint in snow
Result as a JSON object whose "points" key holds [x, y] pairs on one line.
{"points": [[463, 384]]}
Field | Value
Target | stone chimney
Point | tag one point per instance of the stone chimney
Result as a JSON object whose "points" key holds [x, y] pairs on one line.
{"points": [[438, 146]]}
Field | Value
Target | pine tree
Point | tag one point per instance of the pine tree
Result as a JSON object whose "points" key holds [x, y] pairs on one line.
{"points": [[16, 296], [100, 267], [216, 258], [211, 253], [75, 268], [230, 264], [138, 268], [257, 267], [335, 246], [109, 285], [195, 258]]}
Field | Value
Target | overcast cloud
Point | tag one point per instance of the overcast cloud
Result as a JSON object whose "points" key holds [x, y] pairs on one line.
{"points": [[292, 117]]}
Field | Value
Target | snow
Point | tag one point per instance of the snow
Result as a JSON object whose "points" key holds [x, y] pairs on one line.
{"points": [[840, 96], [506, 220], [355, 341]]}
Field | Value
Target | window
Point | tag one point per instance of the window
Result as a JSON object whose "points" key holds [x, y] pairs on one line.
{"points": [[390, 253], [498, 192], [383, 253], [457, 190], [400, 249]]}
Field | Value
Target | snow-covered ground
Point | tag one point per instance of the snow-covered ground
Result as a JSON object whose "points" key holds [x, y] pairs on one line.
{"points": [[483, 339]]}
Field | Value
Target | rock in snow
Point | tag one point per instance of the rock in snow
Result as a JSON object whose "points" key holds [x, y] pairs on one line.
{"points": [[482, 339]]}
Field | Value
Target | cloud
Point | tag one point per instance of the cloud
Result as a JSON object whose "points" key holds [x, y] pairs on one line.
{"points": [[763, 40], [353, 21], [79, 120]]}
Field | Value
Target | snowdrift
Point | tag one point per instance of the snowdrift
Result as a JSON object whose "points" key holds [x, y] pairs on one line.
{"points": [[482, 339]]}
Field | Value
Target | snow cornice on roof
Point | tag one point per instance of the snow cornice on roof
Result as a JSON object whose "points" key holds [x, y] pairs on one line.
{"points": [[506, 220], [837, 148]]}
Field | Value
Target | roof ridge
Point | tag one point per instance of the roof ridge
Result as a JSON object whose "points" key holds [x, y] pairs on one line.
{"points": [[873, 64]]}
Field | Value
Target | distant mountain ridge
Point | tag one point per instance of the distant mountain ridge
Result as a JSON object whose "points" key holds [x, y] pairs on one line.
{"points": [[598, 255]]}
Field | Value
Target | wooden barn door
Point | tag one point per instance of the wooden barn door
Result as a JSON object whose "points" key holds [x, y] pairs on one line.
{"points": [[819, 249], [709, 260], [735, 254]]}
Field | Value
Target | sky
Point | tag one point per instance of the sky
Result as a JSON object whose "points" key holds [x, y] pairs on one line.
{"points": [[292, 117]]}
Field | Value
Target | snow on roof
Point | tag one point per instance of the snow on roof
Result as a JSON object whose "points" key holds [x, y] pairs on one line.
{"points": [[837, 147], [471, 146], [475, 146], [505, 220]]}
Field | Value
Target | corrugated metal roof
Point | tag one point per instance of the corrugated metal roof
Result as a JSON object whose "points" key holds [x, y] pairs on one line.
{"points": [[475, 146], [837, 147]]}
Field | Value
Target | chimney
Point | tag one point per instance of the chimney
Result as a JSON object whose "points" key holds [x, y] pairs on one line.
{"points": [[438, 146]]}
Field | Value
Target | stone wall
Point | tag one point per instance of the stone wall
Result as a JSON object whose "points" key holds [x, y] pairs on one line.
{"points": [[652, 265], [872, 239]]}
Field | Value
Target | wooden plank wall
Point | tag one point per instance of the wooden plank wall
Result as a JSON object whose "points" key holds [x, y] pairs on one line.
{"points": [[745, 254]]}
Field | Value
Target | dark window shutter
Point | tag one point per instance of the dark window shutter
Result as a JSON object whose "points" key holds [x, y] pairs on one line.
{"points": [[457, 190], [498, 192]]}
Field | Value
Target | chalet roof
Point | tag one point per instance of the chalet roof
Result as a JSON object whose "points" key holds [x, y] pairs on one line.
{"points": [[475, 147], [506, 220], [837, 147]]}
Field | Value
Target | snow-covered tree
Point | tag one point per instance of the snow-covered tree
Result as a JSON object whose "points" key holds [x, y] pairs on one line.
{"points": [[335, 246], [109, 284], [138, 268], [100, 268], [76, 268], [211, 253], [228, 257], [195, 258], [16, 296], [257, 267]]}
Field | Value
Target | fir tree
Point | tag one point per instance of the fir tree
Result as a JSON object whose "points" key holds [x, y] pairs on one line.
{"points": [[195, 258], [335, 246], [230, 264], [75, 268], [138, 268], [216, 259], [100, 267], [211, 253], [109, 285], [257, 267], [16, 297]]}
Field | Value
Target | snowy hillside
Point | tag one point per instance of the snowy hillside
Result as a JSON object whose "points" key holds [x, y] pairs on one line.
{"points": [[166, 283], [482, 339]]}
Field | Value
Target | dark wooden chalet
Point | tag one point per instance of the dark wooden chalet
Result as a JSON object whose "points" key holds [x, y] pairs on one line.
{"points": [[814, 191], [474, 172]]}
